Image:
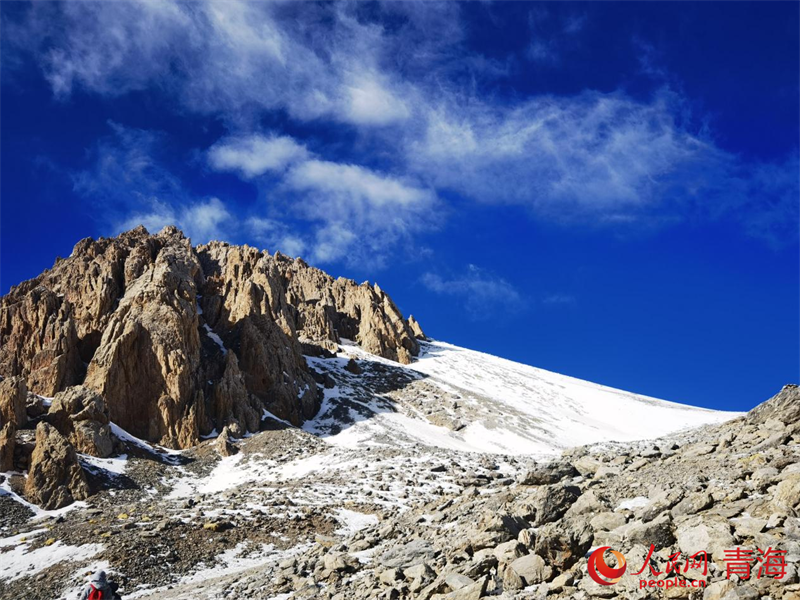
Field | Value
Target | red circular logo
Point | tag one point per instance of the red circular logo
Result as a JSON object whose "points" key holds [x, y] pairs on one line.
{"points": [[598, 567]]}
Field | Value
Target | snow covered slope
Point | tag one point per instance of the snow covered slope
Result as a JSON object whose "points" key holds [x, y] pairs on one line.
{"points": [[462, 400]]}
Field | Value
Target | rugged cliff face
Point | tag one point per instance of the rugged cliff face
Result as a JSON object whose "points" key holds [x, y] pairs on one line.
{"points": [[180, 341]]}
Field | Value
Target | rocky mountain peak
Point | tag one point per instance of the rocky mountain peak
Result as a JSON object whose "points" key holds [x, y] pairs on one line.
{"points": [[179, 341]]}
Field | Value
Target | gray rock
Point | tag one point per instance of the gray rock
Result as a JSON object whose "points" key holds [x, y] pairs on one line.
{"points": [[587, 465], [421, 572], [509, 551], [390, 576], [546, 474], [562, 544], [787, 494], [408, 555], [511, 580], [660, 503], [705, 534], [470, 592], [606, 521], [532, 568], [658, 532], [456, 581], [553, 501], [692, 504]]}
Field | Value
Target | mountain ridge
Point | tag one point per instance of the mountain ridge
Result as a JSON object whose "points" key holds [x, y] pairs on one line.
{"points": [[126, 317]]}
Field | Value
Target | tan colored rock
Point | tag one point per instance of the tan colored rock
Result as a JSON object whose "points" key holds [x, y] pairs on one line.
{"points": [[13, 396], [305, 302], [7, 446], [148, 361], [169, 369], [532, 569], [787, 494], [416, 328], [80, 415], [38, 340], [55, 478], [224, 444], [232, 406], [51, 325], [783, 406]]}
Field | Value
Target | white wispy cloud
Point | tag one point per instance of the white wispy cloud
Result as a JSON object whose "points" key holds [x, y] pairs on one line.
{"points": [[484, 294], [230, 58], [412, 94], [591, 154], [255, 154], [356, 211]]}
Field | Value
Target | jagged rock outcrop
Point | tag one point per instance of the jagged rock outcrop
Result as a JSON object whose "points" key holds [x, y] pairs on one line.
{"points": [[416, 328], [148, 361], [180, 341], [13, 396], [55, 478], [783, 406], [81, 416], [224, 444], [306, 303], [233, 406], [38, 339]]}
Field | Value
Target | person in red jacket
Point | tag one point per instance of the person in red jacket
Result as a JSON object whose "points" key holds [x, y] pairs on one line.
{"points": [[99, 588]]}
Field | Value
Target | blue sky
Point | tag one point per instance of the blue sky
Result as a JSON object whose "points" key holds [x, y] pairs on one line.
{"points": [[607, 190]]}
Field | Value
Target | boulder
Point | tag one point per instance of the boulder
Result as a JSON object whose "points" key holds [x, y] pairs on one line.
{"points": [[787, 494], [563, 543], [532, 569], [546, 474], [470, 592], [352, 367], [80, 415], [34, 406], [407, 555], [509, 551], [224, 445], [658, 531], [712, 535], [456, 581], [660, 503], [55, 477], [553, 501], [587, 465], [606, 521], [693, 504]]}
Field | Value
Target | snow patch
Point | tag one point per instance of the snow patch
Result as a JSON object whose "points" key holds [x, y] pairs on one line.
{"points": [[113, 466], [20, 561], [352, 521], [217, 340], [633, 503]]}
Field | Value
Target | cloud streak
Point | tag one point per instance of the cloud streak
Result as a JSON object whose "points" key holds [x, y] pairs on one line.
{"points": [[484, 294], [254, 155], [399, 85]]}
